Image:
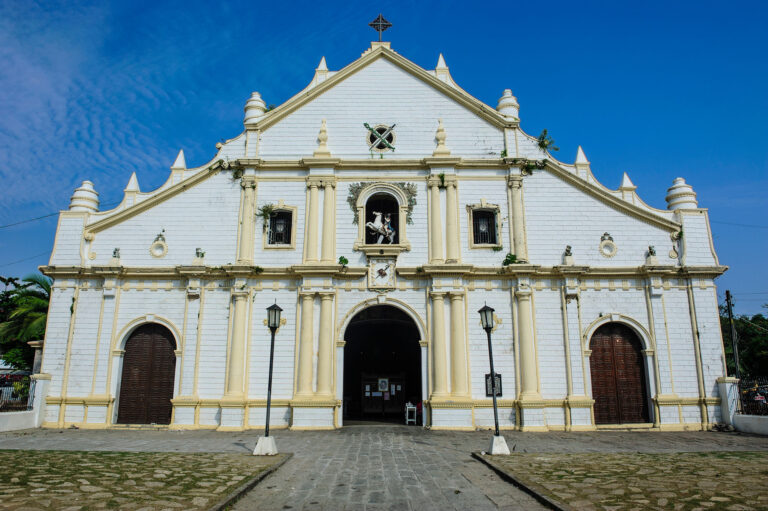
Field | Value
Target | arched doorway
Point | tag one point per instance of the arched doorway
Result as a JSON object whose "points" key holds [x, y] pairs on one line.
{"points": [[618, 376], [382, 365], [146, 385]]}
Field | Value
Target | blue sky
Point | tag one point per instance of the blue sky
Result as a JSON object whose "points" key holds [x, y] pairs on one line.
{"points": [[97, 90]]}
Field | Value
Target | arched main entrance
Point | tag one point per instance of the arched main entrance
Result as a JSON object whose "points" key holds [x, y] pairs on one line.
{"points": [[618, 376], [146, 385], [382, 364]]}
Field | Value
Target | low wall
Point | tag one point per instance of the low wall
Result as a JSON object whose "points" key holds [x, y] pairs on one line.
{"points": [[10, 421], [757, 424]]}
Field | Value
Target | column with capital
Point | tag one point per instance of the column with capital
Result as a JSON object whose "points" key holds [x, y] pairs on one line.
{"points": [[236, 359], [518, 219], [245, 248], [529, 379], [325, 347], [439, 370], [459, 372], [306, 346], [435, 225], [310, 248], [329, 221], [452, 249]]}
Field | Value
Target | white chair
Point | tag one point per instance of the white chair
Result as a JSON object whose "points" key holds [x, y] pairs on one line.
{"points": [[410, 414]]}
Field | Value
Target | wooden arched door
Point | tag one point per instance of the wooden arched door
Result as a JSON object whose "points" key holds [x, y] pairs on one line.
{"points": [[146, 387], [618, 376]]}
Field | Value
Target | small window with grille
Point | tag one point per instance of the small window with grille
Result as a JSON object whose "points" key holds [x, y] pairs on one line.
{"points": [[280, 228], [484, 227]]}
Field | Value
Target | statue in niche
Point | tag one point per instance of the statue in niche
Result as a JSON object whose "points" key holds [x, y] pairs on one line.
{"points": [[383, 229]]}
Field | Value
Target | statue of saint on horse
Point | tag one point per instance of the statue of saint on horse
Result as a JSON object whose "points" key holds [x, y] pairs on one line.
{"points": [[383, 229]]}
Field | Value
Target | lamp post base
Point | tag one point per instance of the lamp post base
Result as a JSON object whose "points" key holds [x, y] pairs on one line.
{"points": [[266, 446], [498, 446]]}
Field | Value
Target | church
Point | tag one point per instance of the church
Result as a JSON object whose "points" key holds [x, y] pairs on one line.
{"points": [[381, 207]]}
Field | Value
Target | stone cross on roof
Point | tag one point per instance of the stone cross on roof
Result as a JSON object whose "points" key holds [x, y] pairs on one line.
{"points": [[380, 25]]}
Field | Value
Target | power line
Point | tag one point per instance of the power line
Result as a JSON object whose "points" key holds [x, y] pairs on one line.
{"points": [[25, 259], [49, 215], [28, 220]]}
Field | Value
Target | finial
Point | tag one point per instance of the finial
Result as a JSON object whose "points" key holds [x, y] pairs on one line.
{"points": [[322, 66], [255, 108], [441, 149], [441, 63], [380, 25], [322, 139], [180, 163], [681, 195], [626, 183], [508, 106], [581, 157], [84, 198], [133, 184]]}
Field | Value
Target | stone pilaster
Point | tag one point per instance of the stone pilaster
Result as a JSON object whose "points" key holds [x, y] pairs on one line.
{"points": [[325, 347], [453, 252], [306, 348], [529, 388], [310, 250], [329, 222], [246, 247], [439, 371], [236, 359], [518, 218], [435, 225], [459, 372]]}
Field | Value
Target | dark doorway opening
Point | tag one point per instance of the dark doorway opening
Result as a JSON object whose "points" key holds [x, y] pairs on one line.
{"points": [[382, 365], [146, 385], [617, 367]]}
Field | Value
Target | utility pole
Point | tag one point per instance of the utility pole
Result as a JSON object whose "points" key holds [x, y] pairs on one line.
{"points": [[734, 340]]}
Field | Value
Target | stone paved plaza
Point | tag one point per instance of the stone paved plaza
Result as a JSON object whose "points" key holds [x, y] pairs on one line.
{"points": [[383, 467]]}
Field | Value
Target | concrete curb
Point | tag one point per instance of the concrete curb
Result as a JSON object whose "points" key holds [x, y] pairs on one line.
{"points": [[532, 489], [248, 486]]}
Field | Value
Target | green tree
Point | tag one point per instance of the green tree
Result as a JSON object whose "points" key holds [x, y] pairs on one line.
{"points": [[752, 334], [23, 312]]}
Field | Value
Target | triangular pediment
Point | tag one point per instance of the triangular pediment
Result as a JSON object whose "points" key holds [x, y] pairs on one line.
{"points": [[381, 88]]}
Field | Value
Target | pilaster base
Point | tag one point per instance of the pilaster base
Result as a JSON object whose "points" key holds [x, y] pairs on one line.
{"points": [[451, 416], [232, 417], [532, 419], [312, 416]]}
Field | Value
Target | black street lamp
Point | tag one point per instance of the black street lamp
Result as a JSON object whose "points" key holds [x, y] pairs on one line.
{"points": [[273, 321], [266, 445], [486, 319]]}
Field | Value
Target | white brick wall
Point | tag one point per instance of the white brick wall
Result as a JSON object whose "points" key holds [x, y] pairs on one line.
{"points": [[204, 216], [381, 93], [557, 215]]}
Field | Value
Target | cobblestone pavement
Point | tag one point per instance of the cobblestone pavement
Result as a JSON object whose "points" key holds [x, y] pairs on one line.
{"points": [[624, 481], [80, 481], [389, 467]]}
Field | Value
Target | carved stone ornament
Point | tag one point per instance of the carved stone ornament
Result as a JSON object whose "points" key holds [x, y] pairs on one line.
{"points": [[381, 273], [409, 189], [159, 248]]}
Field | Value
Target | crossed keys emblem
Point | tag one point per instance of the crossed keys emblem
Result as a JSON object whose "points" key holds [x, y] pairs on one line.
{"points": [[381, 137]]}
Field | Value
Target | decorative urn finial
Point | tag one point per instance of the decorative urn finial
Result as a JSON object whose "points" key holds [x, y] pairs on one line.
{"points": [[85, 198]]}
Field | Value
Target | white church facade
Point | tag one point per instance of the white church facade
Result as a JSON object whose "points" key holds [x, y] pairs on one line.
{"points": [[381, 207]]}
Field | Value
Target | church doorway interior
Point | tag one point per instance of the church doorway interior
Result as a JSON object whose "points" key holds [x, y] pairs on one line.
{"points": [[618, 376], [146, 386], [382, 366]]}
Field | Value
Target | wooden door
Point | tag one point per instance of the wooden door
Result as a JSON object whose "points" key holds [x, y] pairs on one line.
{"points": [[618, 376], [146, 387]]}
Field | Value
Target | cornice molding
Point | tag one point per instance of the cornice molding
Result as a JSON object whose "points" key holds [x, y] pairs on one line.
{"points": [[346, 272]]}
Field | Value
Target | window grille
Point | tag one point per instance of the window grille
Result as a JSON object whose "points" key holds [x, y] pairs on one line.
{"points": [[280, 228], [484, 227]]}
